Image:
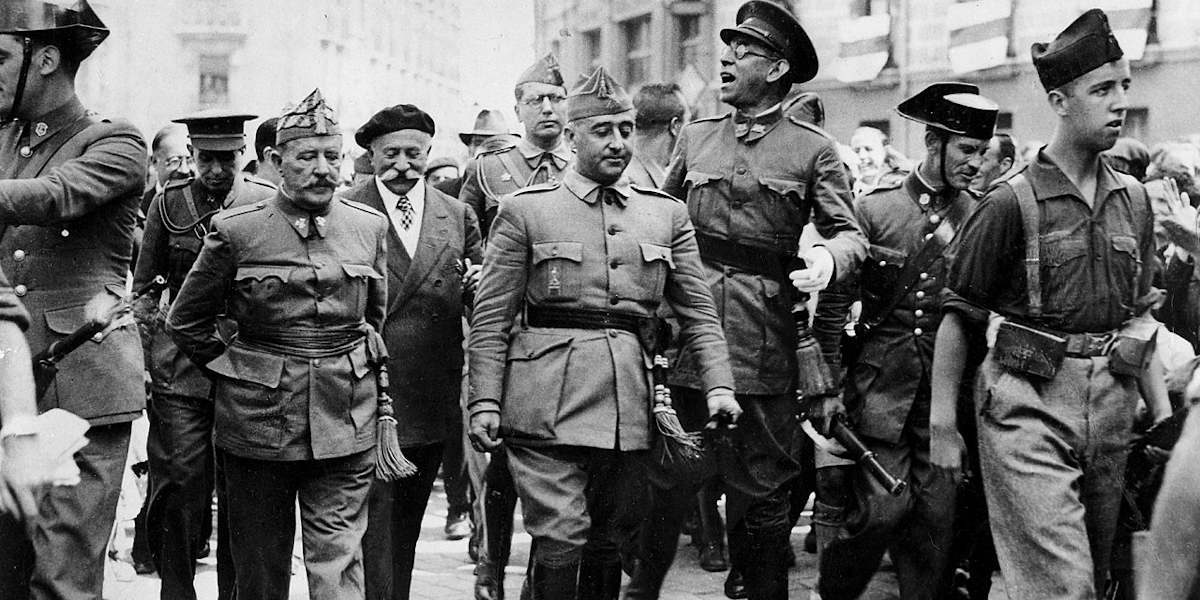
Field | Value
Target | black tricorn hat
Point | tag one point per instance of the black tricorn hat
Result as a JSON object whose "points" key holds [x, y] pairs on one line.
{"points": [[953, 107], [1085, 44], [75, 26], [771, 24]]}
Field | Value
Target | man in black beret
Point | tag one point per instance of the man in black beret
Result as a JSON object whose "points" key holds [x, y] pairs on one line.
{"points": [[433, 260], [1063, 253]]}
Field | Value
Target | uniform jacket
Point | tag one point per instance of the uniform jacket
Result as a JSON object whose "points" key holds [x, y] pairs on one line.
{"points": [[69, 190], [260, 264], [497, 173], [644, 172], [760, 189], [896, 356], [170, 250], [559, 245], [423, 330]]}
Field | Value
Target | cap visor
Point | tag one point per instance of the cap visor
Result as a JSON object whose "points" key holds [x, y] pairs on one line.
{"points": [[219, 144]]}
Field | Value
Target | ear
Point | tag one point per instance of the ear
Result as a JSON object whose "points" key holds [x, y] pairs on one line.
{"points": [[1058, 101], [569, 135], [1006, 164], [48, 60], [932, 143], [675, 126], [778, 70], [276, 158]]}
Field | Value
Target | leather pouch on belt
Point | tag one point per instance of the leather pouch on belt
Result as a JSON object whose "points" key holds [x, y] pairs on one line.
{"points": [[1133, 348], [1026, 350]]}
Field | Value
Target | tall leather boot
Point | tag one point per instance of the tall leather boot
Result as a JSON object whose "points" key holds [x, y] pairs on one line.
{"points": [[599, 579], [496, 546], [658, 540], [554, 583], [712, 530], [767, 573]]}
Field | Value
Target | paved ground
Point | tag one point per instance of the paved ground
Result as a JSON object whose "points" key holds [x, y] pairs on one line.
{"points": [[443, 570]]}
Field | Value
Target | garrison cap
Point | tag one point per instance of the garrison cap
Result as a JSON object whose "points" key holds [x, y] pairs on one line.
{"points": [[311, 118], [216, 129], [953, 107], [1085, 44], [487, 122], [773, 25], [545, 70], [393, 118], [72, 24], [599, 94]]}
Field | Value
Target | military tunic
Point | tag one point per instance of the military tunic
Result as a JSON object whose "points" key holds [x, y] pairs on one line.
{"points": [[500, 172], [277, 268]]}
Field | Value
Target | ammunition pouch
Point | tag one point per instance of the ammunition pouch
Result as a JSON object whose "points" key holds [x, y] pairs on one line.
{"points": [[1029, 351]]}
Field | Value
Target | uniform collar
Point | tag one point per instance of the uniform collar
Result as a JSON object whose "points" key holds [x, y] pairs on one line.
{"points": [[750, 128], [587, 190], [560, 153], [1053, 182], [45, 126], [302, 220]]}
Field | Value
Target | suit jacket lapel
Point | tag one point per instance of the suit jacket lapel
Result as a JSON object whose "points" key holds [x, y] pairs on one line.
{"points": [[434, 239], [398, 258]]}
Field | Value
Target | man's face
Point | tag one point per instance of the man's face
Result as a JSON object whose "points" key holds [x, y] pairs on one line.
{"points": [[398, 158], [602, 146], [744, 80], [216, 169], [11, 54], [868, 147], [991, 167], [541, 109], [963, 157], [1095, 110], [442, 174], [309, 168], [173, 159]]}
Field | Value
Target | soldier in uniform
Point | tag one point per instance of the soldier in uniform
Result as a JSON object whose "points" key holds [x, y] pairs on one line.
{"points": [[587, 261], [301, 274], [539, 157], [752, 178], [69, 189], [180, 410], [908, 226], [1055, 396]]}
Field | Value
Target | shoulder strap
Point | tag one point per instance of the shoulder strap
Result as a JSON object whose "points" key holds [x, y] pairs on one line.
{"points": [[510, 165], [1030, 219], [60, 139]]}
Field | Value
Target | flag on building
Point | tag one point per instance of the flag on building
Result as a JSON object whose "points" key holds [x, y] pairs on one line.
{"points": [[865, 47], [979, 32], [1130, 22]]}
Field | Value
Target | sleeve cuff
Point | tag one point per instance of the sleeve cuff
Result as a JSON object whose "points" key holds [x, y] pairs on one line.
{"points": [[483, 406]]}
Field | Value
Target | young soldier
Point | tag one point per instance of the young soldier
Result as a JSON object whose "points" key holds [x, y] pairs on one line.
{"points": [[1063, 251], [587, 261], [908, 225]]}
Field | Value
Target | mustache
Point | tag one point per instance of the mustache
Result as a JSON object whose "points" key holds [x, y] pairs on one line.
{"points": [[392, 174], [321, 181]]}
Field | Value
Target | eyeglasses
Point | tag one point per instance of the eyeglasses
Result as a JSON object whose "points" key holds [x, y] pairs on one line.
{"points": [[741, 51], [534, 101], [178, 161]]}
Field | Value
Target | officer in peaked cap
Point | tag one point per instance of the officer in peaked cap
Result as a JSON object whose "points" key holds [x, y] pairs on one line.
{"points": [[180, 410], [1053, 436], [591, 258], [302, 276], [70, 184], [908, 225], [539, 156], [771, 25]]}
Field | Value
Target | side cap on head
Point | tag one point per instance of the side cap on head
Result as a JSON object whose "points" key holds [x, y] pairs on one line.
{"points": [[216, 129], [393, 118], [953, 107], [545, 70], [599, 94], [773, 25], [310, 118], [72, 23], [1085, 44]]}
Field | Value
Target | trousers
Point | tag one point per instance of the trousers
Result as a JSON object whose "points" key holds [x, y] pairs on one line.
{"points": [[394, 517]]}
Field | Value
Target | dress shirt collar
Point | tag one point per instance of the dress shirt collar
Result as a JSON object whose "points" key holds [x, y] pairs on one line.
{"points": [[416, 196]]}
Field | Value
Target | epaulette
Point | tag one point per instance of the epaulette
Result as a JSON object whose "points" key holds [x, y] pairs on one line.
{"points": [[538, 187], [361, 206], [812, 128], [241, 210], [258, 181], [713, 118], [653, 192]]}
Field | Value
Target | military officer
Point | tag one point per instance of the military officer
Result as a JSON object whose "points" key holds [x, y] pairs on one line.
{"points": [[1056, 393], [908, 226], [586, 261], [179, 446], [302, 276], [751, 179], [69, 189], [538, 157]]}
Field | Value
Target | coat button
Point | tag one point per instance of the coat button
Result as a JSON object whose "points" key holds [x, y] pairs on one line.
{"points": [[924, 276], [18, 255], [918, 331], [920, 294], [883, 263], [20, 289], [918, 313], [26, 151], [935, 219], [99, 337], [612, 333], [65, 233]]}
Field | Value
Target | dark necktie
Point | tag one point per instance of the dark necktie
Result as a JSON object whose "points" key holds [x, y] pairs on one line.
{"points": [[406, 212]]}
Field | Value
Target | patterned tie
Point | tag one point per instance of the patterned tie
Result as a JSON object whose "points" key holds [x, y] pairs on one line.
{"points": [[406, 212]]}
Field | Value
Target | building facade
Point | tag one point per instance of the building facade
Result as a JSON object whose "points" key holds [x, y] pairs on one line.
{"points": [[876, 52]]}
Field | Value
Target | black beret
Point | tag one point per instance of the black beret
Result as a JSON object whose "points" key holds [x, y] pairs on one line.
{"points": [[771, 24], [393, 118], [1085, 44]]}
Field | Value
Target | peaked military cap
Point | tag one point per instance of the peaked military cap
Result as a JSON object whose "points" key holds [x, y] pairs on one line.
{"points": [[216, 129], [953, 107], [393, 118], [545, 70], [599, 94], [771, 24], [73, 24], [1085, 44], [487, 122], [311, 118]]}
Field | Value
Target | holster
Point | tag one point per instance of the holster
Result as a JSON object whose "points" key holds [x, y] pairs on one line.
{"points": [[1027, 350], [1133, 348]]}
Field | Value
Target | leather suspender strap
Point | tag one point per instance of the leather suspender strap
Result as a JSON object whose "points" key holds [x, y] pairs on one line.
{"points": [[512, 168], [1030, 218], [64, 135]]}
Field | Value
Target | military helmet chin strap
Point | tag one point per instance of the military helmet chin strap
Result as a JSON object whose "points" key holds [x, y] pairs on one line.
{"points": [[946, 190], [26, 59]]}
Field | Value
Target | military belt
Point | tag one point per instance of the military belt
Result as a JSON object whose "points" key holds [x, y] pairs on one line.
{"points": [[759, 261], [652, 332], [305, 342], [1088, 345]]}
